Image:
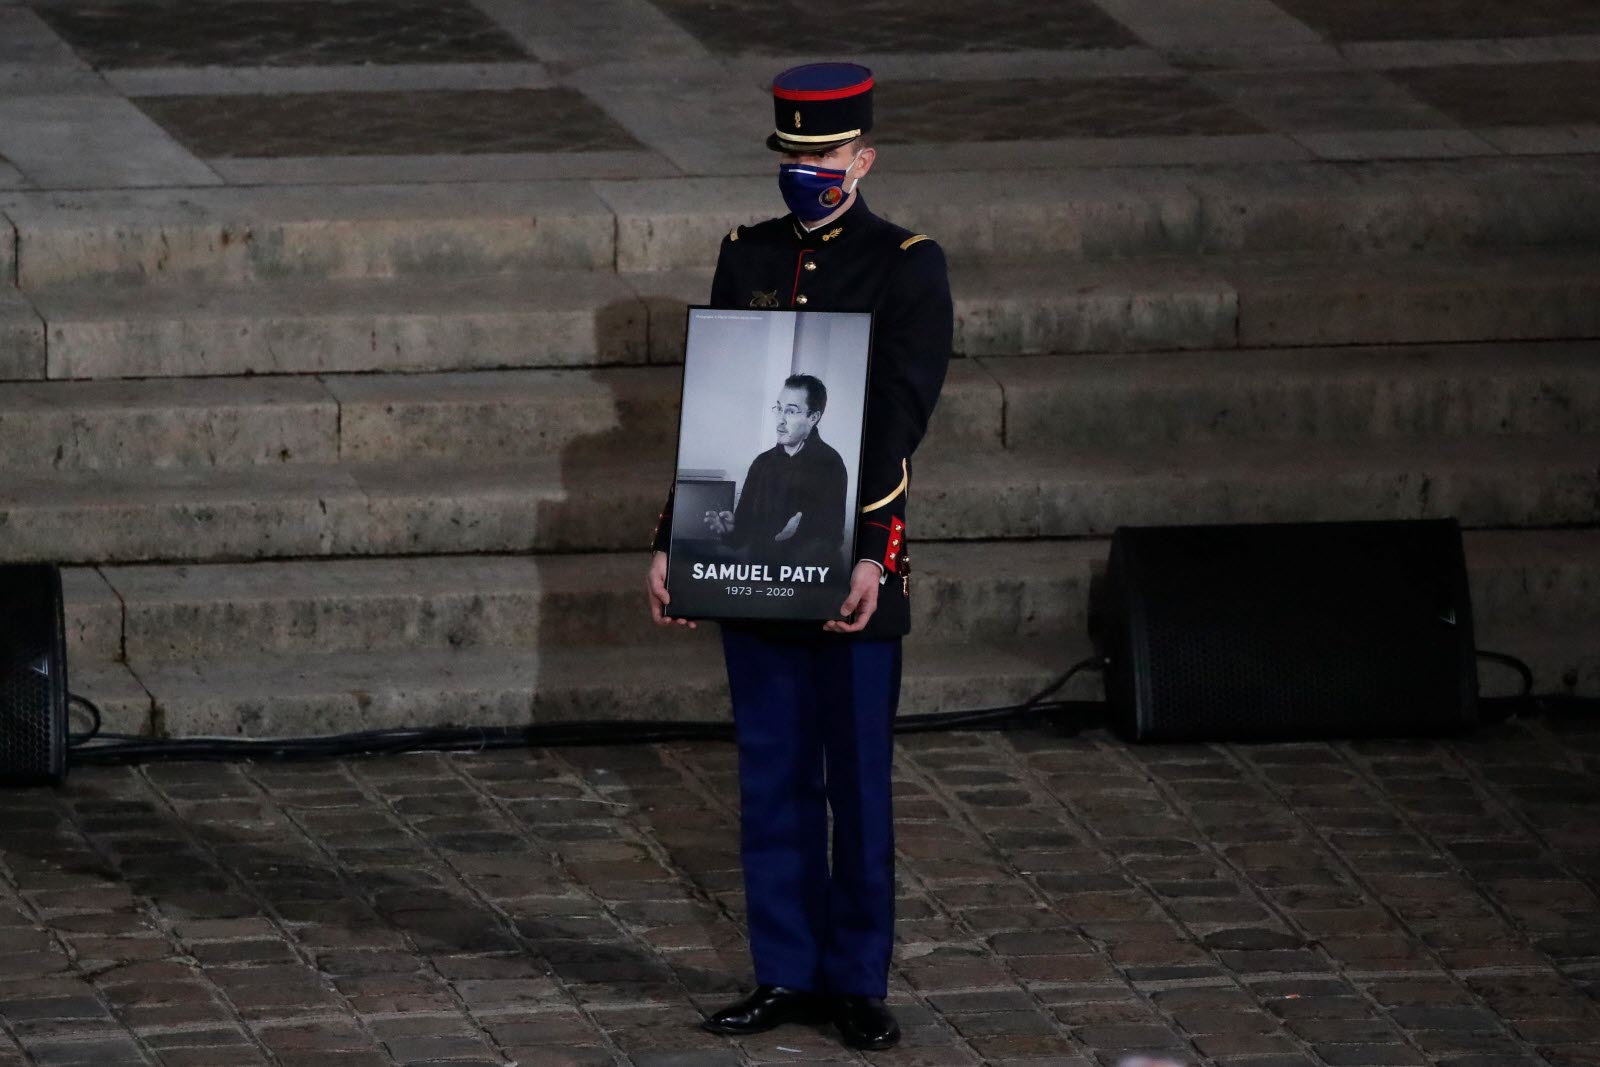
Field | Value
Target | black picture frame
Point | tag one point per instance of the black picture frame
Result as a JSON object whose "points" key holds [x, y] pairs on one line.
{"points": [[738, 458]]}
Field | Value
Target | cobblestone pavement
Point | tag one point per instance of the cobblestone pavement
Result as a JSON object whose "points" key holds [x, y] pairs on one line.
{"points": [[1063, 901]]}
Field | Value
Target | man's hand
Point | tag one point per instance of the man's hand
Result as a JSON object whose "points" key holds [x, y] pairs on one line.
{"points": [[863, 599], [720, 522], [656, 584], [789, 528]]}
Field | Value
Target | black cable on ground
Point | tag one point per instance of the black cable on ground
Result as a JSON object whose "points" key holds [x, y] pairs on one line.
{"points": [[995, 718], [94, 714], [1558, 707], [1522, 669], [1524, 705], [120, 749]]}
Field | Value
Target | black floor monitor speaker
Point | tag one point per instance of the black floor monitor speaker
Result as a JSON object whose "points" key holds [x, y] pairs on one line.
{"points": [[33, 676], [1284, 631]]}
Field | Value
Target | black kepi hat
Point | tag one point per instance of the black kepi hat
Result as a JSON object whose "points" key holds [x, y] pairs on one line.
{"points": [[820, 106]]}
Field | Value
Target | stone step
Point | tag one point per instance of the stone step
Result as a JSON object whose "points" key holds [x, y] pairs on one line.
{"points": [[360, 418], [241, 234], [168, 422], [1011, 307], [8, 252], [548, 318], [21, 336], [680, 680], [1390, 206], [991, 592], [597, 502], [1308, 394], [316, 232], [1229, 301], [1523, 580], [675, 679], [1484, 482], [1329, 394]]}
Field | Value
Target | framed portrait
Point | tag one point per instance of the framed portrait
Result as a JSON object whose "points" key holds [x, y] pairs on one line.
{"points": [[769, 460]]}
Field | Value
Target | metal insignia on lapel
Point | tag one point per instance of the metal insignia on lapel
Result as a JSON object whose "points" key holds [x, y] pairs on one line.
{"points": [[831, 234], [758, 299]]}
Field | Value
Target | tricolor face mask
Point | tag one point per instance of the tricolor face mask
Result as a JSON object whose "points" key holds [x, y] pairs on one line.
{"points": [[813, 192]]}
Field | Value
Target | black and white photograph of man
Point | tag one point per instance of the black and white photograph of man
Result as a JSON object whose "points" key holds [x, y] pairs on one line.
{"points": [[768, 452]]}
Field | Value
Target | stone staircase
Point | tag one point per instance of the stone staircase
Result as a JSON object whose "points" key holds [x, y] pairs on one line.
{"points": [[333, 458]]}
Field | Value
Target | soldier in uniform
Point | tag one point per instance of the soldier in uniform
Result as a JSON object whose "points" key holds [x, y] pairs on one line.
{"points": [[814, 705]]}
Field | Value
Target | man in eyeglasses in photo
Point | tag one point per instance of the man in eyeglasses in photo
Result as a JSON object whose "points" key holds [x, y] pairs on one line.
{"points": [[791, 508]]}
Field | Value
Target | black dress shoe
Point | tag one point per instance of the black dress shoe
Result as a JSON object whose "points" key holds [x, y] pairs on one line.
{"points": [[767, 1007], [864, 1022]]}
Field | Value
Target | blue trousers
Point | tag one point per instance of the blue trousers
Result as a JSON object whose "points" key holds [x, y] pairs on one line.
{"points": [[815, 723]]}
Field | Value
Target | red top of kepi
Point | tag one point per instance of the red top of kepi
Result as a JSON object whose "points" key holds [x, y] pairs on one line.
{"points": [[820, 106]]}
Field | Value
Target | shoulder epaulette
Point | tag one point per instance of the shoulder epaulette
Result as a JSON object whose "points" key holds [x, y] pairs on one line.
{"points": [[913, 239], [733, 234]]}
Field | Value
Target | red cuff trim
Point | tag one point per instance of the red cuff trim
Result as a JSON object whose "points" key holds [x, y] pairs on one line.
{"points": [[897, 546]]}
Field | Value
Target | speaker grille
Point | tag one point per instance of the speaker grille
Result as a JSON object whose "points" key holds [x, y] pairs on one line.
{"points": [[1304, 630], [33, 683]]}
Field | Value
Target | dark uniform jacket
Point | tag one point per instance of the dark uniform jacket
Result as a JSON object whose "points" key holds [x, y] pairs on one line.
{"points": [[859, 262], [812, 484]]}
